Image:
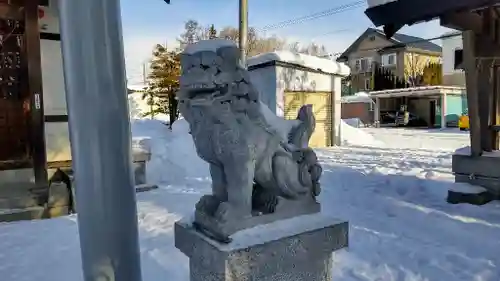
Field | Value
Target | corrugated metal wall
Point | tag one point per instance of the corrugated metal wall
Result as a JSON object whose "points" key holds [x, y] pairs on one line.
{"points": [[322, 108]]}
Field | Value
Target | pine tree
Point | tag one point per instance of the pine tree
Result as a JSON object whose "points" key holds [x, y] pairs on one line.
{"points": [[212, 32], [163, 82]]}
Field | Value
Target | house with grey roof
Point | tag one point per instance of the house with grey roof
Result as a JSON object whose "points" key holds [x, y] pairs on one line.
{"points": [[406, 56]]}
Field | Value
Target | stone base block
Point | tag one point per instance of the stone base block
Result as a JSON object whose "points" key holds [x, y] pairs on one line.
{"points": [[481, 171], [296, 249], [139, 172]]}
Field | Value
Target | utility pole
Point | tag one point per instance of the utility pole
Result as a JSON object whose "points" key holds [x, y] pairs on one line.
{"points": [[96, 97], [243, 31]]}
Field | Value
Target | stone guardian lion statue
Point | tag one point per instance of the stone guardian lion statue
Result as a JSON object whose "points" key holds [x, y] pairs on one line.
{"points": [[258, 175]]}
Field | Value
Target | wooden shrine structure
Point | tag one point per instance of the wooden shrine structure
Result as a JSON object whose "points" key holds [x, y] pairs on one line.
{"points": [[479, 20]]}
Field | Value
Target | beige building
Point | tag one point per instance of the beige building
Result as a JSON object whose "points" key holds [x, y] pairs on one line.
{"points": [[406, 56]]}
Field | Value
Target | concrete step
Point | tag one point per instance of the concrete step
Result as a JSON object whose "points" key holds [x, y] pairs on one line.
{"points": [[34, 213], [20, 201], [10, 215]]}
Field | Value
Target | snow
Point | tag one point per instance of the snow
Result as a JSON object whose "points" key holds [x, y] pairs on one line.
{"points": [[137, 87], [354, 122], [312, 62], [138, 107], [281, 229], [350, 135], [208, 45], [173, 158], [393, 195], [466, 151], [285, 228], [358, 97]]}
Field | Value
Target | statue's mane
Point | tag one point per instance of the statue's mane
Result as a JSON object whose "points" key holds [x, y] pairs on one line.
{"points": [[217, 80]]}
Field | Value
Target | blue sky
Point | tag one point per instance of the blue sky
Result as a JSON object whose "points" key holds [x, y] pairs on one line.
{"points": [[148, 22]]}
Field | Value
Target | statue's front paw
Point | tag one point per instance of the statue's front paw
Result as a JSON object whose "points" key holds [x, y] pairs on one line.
{"points": [[223, 212], [227, 212], [208, 204]]}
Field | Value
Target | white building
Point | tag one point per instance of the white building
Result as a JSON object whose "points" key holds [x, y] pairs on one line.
{"points": [[452, 50], [287, 80]]}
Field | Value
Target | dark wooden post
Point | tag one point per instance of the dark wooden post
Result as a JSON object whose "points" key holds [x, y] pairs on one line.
{"points": [[33, 56], [484, 89], [471, 74], [495, 114]]}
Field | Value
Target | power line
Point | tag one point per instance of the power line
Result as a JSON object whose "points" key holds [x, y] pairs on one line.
{"points": [[314, 16], [332, 32]]}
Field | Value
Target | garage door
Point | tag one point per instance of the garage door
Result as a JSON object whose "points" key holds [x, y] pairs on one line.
{"points": [[322, 108]]}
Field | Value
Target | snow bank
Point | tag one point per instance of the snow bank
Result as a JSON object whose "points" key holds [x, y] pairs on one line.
{"points": [[354, 122], [174, 159], [312, 62], [357, 137]]}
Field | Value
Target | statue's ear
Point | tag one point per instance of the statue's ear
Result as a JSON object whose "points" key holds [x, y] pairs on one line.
{"points": [[230, 55]]}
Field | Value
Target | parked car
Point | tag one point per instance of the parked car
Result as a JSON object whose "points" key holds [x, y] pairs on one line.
{"points": [[412, 121], [416, 121], [388, 117]]}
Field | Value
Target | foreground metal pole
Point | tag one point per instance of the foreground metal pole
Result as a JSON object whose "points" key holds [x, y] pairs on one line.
{"points": [[243, 31], [94, 72]]}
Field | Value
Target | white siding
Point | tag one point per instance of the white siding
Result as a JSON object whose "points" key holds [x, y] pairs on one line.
{"points": [[290, 79], [264, 80], [54, 95], [449, 46]]}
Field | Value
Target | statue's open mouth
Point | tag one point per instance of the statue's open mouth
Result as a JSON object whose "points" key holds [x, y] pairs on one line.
{"points": [[196, 92]]}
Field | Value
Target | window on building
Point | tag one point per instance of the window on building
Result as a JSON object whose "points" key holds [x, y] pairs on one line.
{"points": [[388, 59], [363, 64], [368, 84], [459, 59]]}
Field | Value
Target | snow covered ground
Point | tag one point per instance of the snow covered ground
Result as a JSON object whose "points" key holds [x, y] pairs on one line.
{"points": [[390, 184]]}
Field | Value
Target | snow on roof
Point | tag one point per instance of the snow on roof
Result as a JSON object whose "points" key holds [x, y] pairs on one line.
{"points": [[358, 97], [418, 91], [208, 45], [451, 34], [311, 62]]}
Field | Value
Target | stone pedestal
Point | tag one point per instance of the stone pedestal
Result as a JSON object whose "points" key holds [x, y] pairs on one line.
{"points": [[482, 171], [296, 249]]}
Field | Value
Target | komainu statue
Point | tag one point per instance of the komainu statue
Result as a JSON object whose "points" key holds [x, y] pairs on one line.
{"points": [[261, 166]]}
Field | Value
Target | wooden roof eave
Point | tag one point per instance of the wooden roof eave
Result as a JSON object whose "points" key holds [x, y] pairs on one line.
{"points": [[394, 15]]}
